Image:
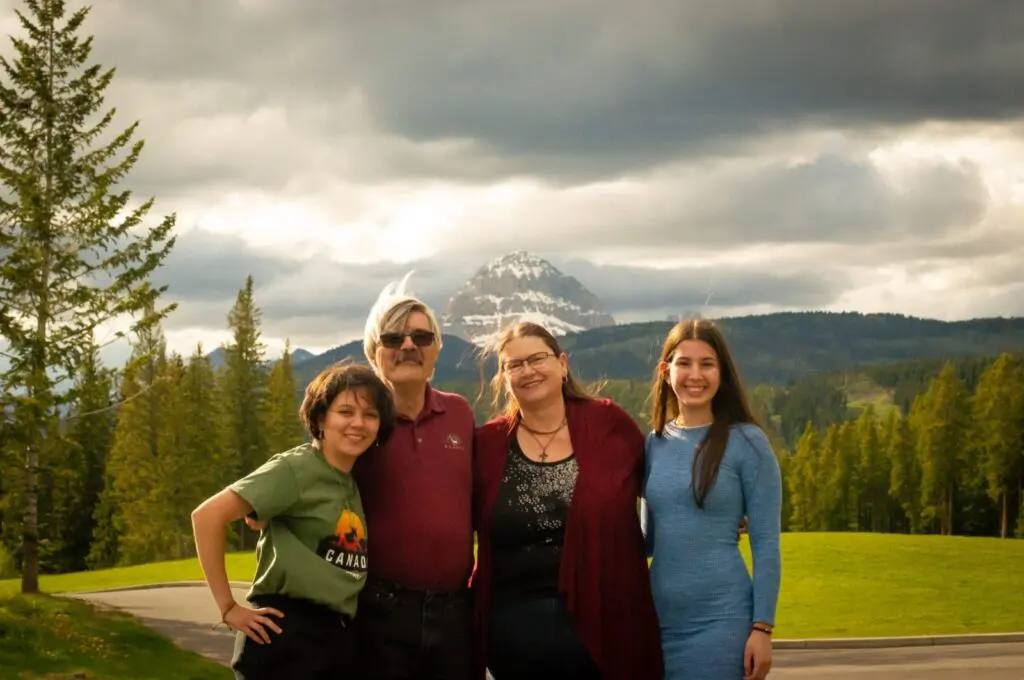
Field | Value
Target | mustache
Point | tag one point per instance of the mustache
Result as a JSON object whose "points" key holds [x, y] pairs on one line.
{"points": [[409, 356]]}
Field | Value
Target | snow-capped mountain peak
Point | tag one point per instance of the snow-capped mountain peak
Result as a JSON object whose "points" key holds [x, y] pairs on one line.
{"points": [[521, 286], [521, 265]]}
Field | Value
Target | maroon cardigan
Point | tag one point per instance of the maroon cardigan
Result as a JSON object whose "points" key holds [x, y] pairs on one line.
{"points": [[604, 576]]}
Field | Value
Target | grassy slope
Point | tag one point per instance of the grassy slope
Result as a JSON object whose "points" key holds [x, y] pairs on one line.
{"points": [[834, 585], [47, 637], [862, 392]]}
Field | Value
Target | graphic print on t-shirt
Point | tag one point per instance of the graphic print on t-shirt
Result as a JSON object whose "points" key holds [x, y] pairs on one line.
{"points": [[346, 548]]}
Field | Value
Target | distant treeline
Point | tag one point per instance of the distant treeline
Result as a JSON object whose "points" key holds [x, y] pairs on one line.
{"points": [[953, 463]]}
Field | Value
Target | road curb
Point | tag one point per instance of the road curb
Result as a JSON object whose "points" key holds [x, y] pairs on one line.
{"points": [[889, 642], [152, 586]]}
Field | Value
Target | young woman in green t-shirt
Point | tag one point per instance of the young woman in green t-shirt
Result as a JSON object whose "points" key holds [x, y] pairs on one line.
{"points": [[311, 554]]}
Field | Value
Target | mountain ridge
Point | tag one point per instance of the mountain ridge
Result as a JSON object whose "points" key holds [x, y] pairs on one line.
{"points": [[521, 286]]}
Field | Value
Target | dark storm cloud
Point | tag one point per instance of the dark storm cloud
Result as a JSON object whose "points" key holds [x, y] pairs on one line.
{"points": [[567, 91], [829, 199], [625, 289], [349, 290], [592, 89], [834, 200], [596, 86], [207, 270], [209, 267]]}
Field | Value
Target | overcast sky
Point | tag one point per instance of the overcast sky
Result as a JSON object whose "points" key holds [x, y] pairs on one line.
{"points": [[754, 155]]}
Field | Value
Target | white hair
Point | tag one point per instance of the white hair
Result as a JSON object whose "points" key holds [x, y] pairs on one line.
{"points": [[390, 312]]}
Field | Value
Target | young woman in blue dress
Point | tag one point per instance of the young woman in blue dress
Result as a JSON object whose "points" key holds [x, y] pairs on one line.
{"points": [[708, 465]]}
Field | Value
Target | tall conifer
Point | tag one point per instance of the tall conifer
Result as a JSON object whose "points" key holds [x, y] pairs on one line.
{"points": [[77, 253]]}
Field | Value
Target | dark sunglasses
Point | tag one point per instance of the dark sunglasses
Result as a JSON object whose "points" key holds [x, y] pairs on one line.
{"points": [[395, 340]]}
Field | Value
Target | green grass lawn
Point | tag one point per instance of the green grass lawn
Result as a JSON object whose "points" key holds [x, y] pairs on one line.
{"points": [[864, 585], [240, 568], [52, 638], [834, 584]]}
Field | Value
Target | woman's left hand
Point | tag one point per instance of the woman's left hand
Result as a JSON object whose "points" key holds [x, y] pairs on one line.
{"points": [[757, 657]]}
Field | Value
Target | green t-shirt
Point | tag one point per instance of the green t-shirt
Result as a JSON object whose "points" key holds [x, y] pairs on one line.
{"points": [[315, 545]]}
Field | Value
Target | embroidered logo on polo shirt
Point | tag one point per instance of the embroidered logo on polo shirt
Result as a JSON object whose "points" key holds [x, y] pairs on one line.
{"points": [[346, 548], [453, 442]]}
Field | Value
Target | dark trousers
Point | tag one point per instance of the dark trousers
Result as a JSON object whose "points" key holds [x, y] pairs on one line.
{"points": [[407, 634], [534, 639], [315, 643]]}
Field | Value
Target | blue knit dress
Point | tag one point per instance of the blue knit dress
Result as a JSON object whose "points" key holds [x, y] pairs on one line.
{"points": [[704, 595]]}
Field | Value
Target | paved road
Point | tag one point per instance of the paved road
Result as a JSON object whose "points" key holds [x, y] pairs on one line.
{"points": [[186, 615], [1000, 661]]}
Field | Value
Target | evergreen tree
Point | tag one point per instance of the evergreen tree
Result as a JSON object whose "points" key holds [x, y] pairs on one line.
{"points": [[785, 459], [844, 477], [137, 463], [171, 484], [941, 424], [904, 470], [997, 420], [281, 407], [242, 385], [802, 481], [76, 255], [90, 427], [203, 463], [830, 481], [872, 478]]}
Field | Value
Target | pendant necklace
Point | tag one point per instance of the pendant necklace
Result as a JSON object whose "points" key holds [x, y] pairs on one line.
{"points": [[543, 447]]}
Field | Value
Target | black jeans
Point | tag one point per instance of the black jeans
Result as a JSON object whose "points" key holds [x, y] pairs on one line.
{"points": [[534, 639], [315, 643], [407, 634]]}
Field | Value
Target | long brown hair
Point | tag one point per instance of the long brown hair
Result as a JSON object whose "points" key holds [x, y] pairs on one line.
{"points": [[503, 401], [729, 406]]}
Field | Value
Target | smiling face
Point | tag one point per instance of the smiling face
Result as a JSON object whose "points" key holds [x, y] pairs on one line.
{"points": [[692, 372], [350, 425], [532, 372], [407, 355]]}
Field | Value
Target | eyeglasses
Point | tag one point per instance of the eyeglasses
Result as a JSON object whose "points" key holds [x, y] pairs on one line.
{"points": [[535, 361], [420, 338]]}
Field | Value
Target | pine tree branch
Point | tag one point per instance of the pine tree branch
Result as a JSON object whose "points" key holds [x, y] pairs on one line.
{"points": [[111, 407]]}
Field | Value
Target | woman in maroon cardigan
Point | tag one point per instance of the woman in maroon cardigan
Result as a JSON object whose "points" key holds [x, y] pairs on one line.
{"points": [[562, 584]]}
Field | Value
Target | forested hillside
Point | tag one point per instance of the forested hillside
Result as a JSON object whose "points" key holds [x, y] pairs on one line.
{"points": [[771, 348]]}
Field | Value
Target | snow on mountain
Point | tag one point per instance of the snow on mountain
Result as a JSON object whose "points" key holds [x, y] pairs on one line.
{"points": [[521, 286]]}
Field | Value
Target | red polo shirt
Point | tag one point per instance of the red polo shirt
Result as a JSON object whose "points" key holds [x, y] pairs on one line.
{"points": [[417, 495]]}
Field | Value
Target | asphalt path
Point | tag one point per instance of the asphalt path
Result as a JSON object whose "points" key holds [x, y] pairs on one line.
{"points": [[187, 615], [998, 661]]}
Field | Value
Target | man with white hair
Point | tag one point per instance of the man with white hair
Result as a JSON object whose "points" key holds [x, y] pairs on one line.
{"points": [[415, 613]]}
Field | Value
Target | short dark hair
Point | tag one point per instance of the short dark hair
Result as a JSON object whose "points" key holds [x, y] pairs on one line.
{"points": [[337, 378]]}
